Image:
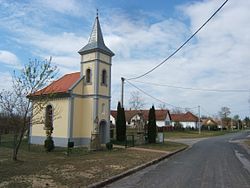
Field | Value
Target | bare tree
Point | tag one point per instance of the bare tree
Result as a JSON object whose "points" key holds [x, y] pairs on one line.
{"points": [[237, 121], [35, 75], [162, 106], [224, 115], [176, 111], [136, 101], [224, 112]]}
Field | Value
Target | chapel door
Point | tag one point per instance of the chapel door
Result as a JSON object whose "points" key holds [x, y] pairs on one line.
{"points": [[103, 131]]}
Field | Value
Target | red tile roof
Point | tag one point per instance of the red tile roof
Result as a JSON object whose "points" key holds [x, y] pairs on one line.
{"points": [[187, 117], [160, 115], [62, 85]]}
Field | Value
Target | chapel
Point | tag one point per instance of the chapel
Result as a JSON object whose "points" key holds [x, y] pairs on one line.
{"points": [[80, 100]]}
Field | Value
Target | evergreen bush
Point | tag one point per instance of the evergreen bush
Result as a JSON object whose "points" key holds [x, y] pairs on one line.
{"points": [[109, 146], [152, 132], [70, 144], [120, 124], [49, 144]]}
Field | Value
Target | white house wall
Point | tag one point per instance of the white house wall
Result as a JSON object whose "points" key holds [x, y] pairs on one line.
{"points": [[160, 123], [112, 119], [187, 124]]}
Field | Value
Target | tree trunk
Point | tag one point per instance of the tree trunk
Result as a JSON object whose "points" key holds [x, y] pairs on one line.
{"points": [[18, 144], [14, 155]]}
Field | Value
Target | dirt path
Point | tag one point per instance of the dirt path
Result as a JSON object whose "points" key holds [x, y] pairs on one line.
{"points": [[188, 141]]}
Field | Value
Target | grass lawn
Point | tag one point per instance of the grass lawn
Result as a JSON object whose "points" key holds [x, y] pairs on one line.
{"points": [[193, 134], [37, 168]]}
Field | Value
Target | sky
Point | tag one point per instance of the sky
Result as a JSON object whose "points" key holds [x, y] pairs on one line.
{"points": [[141, 34]]}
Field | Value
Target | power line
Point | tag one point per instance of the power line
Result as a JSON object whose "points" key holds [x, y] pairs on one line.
{"points": [[159, 100], [178, 49], [144, 92], [196, 89]]}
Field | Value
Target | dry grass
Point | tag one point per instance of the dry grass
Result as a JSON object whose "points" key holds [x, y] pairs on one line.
{"points": [[55, 169], [36, 168]]}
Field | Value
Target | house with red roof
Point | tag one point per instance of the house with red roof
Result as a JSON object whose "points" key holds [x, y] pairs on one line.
{"points": [[163, 117], [187, 120], [80, 101], [210, 124]]}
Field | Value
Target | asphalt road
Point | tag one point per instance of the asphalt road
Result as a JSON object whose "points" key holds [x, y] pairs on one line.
{"points": [[218, 162]]}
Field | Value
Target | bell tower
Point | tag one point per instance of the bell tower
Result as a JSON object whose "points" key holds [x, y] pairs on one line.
{"points": [[96, 59]]}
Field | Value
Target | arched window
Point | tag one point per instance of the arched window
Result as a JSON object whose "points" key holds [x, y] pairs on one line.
{"points": [[88, 76], [104, 77], [49, 117]]}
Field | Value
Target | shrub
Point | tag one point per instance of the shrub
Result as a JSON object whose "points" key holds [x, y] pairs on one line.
{"points": [[178, 126], [152, 130], [120, 124], [70, 144], [49, 144], [109, 146]]}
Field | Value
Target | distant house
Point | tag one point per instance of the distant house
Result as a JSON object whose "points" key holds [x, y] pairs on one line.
{"points": [[163, 117], [186, 120], [219, 123], [209, 121], [209, 124]]}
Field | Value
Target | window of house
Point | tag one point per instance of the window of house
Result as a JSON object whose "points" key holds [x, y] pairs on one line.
{"points": [[167, 122], [88, 76], [49, 117], [104, 77]]}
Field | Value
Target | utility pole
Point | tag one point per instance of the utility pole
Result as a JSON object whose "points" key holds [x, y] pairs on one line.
{"points": [[199, 119], [122, 91]]}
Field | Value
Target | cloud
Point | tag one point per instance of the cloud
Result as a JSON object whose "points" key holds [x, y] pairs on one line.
{"points": [[132, 38], [69, 7], [217, 58], [61, 43], [9, 59], [62, 6], [67, 64], [42, 36], [221, 47]]}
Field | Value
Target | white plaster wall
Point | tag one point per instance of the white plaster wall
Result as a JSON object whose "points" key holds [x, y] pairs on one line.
{"points": [[112, 119], [160, 123], [187, 124]]}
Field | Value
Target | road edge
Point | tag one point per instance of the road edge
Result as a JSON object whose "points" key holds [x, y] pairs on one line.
{"points": [[135, 169]]}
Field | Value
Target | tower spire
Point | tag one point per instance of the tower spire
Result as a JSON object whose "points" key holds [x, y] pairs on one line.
{"points": [[96, 42]]}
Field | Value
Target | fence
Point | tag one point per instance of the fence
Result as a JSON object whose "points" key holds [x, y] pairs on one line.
{"points": [[130, 141]]}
